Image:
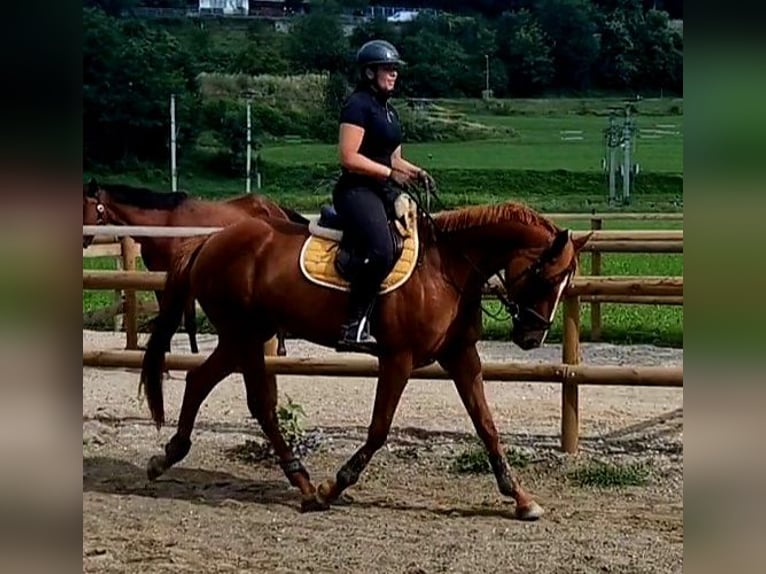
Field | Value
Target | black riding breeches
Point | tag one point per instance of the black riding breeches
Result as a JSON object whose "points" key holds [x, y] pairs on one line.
{"points": [[366, 223]]}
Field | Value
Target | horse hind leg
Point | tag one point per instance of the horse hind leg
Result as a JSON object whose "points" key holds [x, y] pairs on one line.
{"points": [[281, 349], [199, 382], [261, 389], [190, 325]]}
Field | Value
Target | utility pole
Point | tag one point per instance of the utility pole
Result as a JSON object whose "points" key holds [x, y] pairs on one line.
{"points": [[173, 169], [249, 149], [486, 59], [612, 151], [626, 165]]}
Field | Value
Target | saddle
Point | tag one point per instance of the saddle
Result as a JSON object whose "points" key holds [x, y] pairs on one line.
{"points": [[327, 259]]}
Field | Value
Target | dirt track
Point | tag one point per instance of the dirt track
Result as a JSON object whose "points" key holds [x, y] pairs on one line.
{"points": [[410, 512]]}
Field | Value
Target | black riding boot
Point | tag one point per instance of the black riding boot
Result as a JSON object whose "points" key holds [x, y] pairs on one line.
{"points": [[355, 333]]}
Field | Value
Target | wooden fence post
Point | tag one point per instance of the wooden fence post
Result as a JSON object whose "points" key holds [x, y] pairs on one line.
{"points": [[570, 416], [129, 253], [595, 269]]}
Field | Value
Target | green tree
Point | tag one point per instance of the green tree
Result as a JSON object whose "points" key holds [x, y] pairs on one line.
{"points": [[617, 63], [526, 51], [264, 53], [129, 73], [571, 27], [661, 49], [435, 65], [325, 126], [317, 42], [477, 40], [111, 7], [374, 29]]}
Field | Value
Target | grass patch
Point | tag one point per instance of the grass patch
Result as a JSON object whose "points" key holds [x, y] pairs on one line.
{"points": [[600, 474], [474, 460]]}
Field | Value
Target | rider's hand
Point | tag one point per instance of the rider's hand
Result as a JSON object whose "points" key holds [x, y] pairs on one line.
{"points": [[426, 179], [400, 178]]}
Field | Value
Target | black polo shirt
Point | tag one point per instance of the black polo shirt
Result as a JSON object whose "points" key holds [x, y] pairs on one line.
{"points": [[382, 132]]}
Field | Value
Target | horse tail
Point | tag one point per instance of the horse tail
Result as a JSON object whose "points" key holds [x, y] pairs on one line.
{"points": [[176, 293]]}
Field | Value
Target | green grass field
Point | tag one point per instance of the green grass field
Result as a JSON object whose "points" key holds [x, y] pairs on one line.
{"points": [[537, 145]]}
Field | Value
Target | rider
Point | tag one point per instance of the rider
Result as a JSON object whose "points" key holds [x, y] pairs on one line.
{"points": [[373, 175]]}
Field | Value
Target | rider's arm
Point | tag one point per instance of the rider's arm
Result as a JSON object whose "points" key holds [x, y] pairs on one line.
{"points": [[398, 162], [350, 139]]}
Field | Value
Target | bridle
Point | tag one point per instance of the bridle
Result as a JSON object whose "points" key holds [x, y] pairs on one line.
{"points": [[525, 314], [100, 212]]}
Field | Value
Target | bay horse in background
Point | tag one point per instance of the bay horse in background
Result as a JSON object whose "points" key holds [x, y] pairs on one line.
{"points": [[118, 204], [434, 315]]}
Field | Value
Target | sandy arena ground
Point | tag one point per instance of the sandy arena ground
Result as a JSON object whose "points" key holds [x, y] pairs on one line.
{"points": [[411, 513]]}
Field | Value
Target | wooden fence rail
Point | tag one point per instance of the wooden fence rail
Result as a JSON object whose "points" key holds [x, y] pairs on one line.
{"points": [[581, 284], [359, 367]]}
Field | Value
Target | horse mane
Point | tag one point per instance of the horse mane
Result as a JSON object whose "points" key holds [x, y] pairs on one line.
{"points": [[293, 215], [143, 197], [454, 221]]}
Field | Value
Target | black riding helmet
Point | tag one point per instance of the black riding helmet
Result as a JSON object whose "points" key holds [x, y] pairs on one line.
{"points": [[377, 52], [373, 54]]}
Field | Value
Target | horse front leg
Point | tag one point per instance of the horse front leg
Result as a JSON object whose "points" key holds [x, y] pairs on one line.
{"points": [[394, 372], [464, 366]]}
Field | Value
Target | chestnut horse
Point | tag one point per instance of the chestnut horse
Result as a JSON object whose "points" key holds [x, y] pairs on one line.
{"points": [[117, 204], [434, 316]]}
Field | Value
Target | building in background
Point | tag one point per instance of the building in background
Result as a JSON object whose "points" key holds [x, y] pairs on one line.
{"points": [[225, 7]]}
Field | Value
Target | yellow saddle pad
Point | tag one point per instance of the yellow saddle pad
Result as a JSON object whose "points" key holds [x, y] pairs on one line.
{"points": [[317, 262]]}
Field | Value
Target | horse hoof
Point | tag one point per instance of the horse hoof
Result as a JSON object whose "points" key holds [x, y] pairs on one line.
{"points": [[155, 467], [311, 504], [531, 511]]}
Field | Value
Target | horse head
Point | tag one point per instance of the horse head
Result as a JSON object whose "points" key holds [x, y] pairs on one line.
{"points": [[93, 208], [534, 283]]}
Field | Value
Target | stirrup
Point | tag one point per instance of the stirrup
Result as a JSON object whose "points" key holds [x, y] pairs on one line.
{"points": [[355, 337], [352, 346]]}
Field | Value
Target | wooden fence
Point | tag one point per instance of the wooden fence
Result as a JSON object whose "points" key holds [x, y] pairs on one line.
{"points": [[570, 374], [602, 241]]}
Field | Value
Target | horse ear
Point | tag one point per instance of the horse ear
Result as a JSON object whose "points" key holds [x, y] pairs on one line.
{"points": [[579, 242]]}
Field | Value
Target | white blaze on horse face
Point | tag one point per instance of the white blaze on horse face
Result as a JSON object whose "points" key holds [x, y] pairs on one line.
{"points": [[562, 286]]}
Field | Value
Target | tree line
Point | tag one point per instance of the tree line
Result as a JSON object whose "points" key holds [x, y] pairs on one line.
{"points": [[535, 48]]}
